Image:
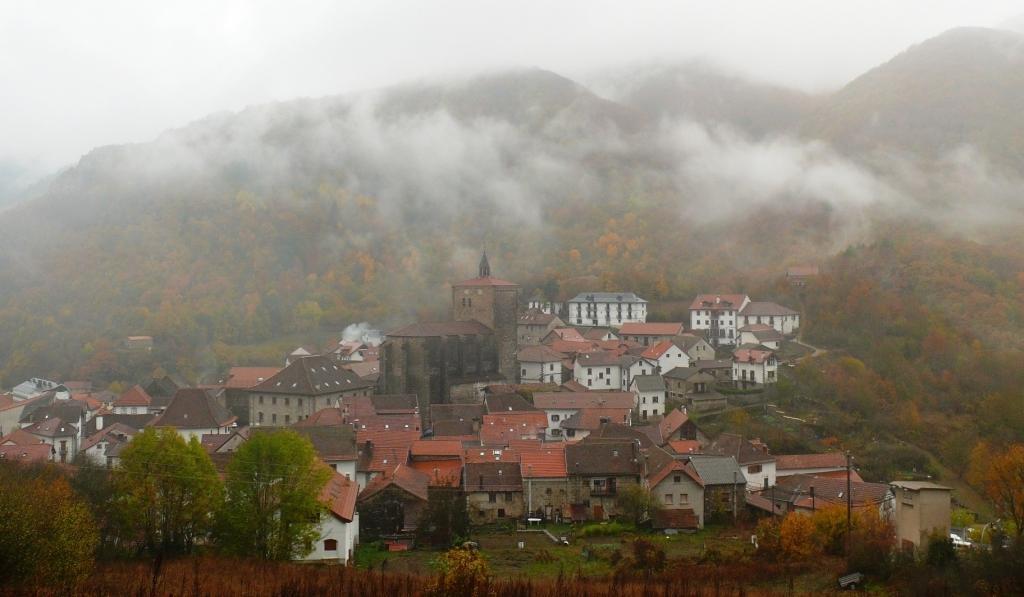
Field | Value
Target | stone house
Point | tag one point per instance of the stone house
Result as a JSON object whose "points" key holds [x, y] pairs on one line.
{"points": [[724, 485], [597, 470], [494, 491], [393, 503], [545, 481], [305, 386], [534, 325]]}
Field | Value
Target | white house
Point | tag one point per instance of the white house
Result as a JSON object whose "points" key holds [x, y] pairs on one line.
{"points": [[666, 356], [761, 333], [650, 394], [677, 486], [604, 309], [757, 465], [783, 319], [539, 364], [339, 527], [752, 364], [193, 412], [599, 370], [695, 346], [560, 406], [717, 315], [134, 401]]}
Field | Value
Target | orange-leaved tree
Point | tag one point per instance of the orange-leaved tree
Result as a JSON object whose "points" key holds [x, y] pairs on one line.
{"points": [[1000, 475]]}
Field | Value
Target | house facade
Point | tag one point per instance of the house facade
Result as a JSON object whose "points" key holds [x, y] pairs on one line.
{"points": [[650, 395], [783, 319], [539, 364], [534, 324], [717, 315], [305, 386], [494, 491], [754, 365], [920, 509], [606, 309], [648, 334], [598, 470], [339, 527]]}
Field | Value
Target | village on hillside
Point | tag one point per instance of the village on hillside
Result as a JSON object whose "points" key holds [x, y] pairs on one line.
{"points": [[533, 412]]}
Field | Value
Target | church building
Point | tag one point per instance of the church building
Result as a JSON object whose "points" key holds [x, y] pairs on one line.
{"points": [[451, 361]]}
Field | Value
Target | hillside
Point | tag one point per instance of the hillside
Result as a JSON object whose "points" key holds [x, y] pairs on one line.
{"points": [[703, 93], [960, 88]]}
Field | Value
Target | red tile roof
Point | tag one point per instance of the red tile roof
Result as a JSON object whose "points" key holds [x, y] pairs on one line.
{"points": [[674, 466], [567, 334], [546, 461], [436, 447], [243, 378], [751, 354], [407, 478], [441, 472], [593, 418], [578, 400], [30, 453], [52, 427], [655, 352], [538, 354], [499, 429], [325, 417], [671, 423], [652, 329], [134, 396], [685, 446], [715, 302], [801, 461], [339, 495], [488, 454], [19, 437]]}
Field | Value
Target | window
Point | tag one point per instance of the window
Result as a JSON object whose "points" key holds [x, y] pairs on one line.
{"points": [[261, 399], [492, 497], [330, 545], [298, 401], [654, 399], [608, 370], [754, 468], [287, 401], [677, 479], [608, 382], [273, 400], [273, 418], [501, 513], [260, 417], [556, 433], [508, 497], [668, 498], [523, 373], [643, 414], [287, 419], [547, 491], [684, 498], [555, 418]]}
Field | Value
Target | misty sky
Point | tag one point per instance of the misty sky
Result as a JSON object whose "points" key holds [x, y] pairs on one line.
{"points": [[75, 75]]}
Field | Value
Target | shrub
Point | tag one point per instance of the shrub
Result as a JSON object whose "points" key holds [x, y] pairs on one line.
{"points": [[463, 572]]}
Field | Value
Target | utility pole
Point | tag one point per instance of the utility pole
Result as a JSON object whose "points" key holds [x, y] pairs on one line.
{"points": [[812, 499], [849, 502], [734, 498]]}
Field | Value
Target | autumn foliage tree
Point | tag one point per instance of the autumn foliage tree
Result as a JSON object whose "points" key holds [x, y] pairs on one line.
{"points": [[1000, 475], [461, 573], [49, 536]]}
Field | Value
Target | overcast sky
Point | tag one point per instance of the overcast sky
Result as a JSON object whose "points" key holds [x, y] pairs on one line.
{"points": [[75, 75]]}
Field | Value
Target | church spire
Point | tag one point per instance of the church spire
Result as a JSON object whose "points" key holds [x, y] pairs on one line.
{"points": [[485, 268]]}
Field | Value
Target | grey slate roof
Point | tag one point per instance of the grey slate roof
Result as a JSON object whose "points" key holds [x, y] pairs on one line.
{"points": [[649, 383], [607, 297], [717, 470]]}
